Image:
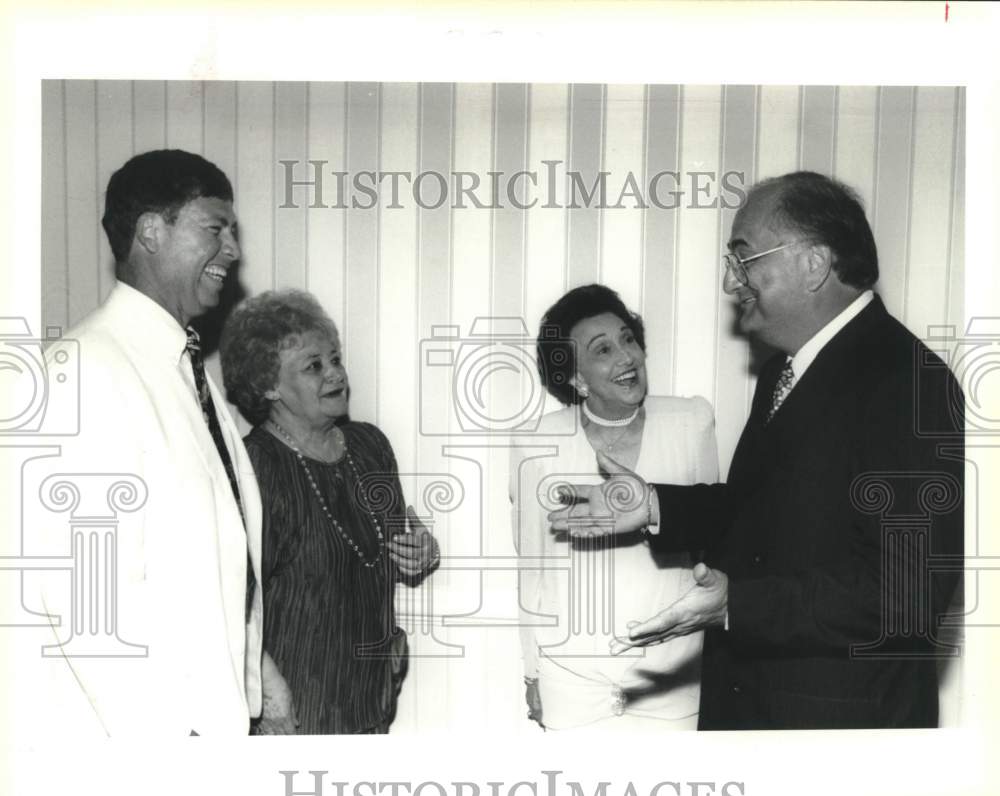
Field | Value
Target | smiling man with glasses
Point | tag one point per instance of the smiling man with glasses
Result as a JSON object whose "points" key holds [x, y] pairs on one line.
{"points": [[818, 611]]}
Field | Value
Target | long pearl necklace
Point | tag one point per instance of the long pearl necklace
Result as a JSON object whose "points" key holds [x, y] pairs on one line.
{"points": [[326, 509]]}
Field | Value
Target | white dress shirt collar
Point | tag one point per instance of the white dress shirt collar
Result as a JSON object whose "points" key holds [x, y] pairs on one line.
{"points": [[810, 350], [155, 329]]}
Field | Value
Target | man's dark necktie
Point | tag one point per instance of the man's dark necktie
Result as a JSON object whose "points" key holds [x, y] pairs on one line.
{"points": [[784, 386], [212, 420]]}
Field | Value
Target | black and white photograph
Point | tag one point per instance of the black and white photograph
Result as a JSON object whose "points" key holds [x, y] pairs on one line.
{"points": [[574, 428]]}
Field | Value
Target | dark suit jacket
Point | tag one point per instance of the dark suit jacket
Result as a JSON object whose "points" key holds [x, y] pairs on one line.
{"points": [[833, 528]]}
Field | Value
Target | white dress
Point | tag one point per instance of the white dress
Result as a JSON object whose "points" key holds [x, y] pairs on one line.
{"points": [[577, 595]]}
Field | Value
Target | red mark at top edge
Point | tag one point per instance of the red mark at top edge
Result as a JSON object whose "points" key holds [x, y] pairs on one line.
{"points": [[945, 12]]}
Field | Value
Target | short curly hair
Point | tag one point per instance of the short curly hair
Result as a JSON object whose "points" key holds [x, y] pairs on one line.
{"points": [[555, 350], [254, 336]]}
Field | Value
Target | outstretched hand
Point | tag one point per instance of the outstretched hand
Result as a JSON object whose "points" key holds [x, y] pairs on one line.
{"points": [[415, 552], [703, 605], [621, 504]]}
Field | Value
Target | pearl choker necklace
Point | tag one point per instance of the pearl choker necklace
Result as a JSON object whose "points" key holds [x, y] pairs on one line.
{"points": [[600, 421]]}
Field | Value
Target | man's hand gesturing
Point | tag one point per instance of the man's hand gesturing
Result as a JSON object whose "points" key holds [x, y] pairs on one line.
{"points": [[621, 504]]}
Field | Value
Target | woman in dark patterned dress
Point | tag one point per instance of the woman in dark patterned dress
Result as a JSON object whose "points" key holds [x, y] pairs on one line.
{"points": [[334, 523]]}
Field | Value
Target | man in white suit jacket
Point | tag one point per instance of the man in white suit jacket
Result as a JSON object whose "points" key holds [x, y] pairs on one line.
{"points": [[189, 558]]}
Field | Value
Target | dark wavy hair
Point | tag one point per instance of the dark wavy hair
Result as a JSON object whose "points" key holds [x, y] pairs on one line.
{"points": [[829, 212], [254, 336], [161, 181], [556, 355]]}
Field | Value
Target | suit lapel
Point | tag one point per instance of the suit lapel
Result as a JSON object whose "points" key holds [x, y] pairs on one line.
{"points": [[833, 370], [830, 373]]}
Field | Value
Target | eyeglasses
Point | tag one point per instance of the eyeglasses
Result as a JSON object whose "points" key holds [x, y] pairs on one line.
{"points": [[737, 265]]}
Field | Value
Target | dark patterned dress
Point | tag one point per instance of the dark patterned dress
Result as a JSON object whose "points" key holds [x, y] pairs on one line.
{"points": [[328, 618]]}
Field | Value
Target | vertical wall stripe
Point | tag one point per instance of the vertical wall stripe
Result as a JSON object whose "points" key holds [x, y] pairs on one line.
{"points": [[254, 184], [183, 115], [904, 309], [733, 378], [114, 147], [640, 306], [65, 198], [855, 141], [816, 143], [468, 294], [358, 333], [456, 134], [506, 391], [621, 236], [219, 121], [931, 208], [54, 258], [778, 139], [586, 120], [892, 185], [698, 280], [435, 286], [274, 181], [955, 306], [398, 353], [873, 212], [471, 224], [132, 112], [307, 122], [545, 271], [836, 117], [149, 122], [473, 155], [291, 143], [203, 103], [510, 157], [660, 229], [82, 198], [325, 246]]}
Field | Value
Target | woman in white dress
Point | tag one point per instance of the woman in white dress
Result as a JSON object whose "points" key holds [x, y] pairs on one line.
{"points": [[576, 595]]}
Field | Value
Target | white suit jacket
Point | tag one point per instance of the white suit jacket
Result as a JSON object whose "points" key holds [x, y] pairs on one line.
{"points": [[180, 588]]}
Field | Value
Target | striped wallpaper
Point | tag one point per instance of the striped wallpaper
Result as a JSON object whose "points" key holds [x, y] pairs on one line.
{"points": [[389, 273]]}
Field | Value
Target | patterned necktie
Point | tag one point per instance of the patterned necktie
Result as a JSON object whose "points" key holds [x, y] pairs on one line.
{"points": [[781, 389], [212, 420]]}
